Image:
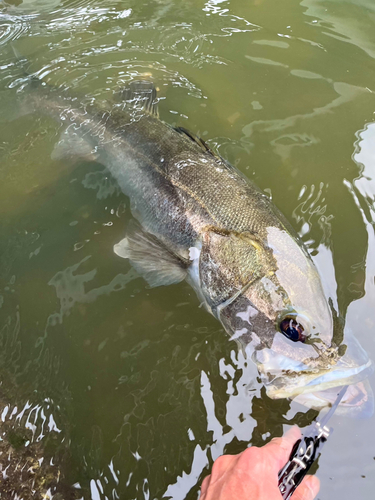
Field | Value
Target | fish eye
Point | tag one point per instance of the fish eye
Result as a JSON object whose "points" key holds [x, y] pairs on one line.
{"points": [[292, 330]]}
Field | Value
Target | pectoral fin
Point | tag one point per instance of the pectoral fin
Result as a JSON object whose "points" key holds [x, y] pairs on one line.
{"points": [[150, 258]]}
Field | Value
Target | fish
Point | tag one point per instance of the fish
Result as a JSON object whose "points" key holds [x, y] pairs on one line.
{"points": [[197, 218]]}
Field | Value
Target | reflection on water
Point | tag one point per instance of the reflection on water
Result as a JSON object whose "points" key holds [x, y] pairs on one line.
{"points": [[238, 423], [70, 288], [313, 207], [132, 392], [353, 24], [363, 191]]}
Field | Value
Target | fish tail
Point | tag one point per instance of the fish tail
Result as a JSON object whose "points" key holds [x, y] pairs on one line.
{"points": [[26, 81]]}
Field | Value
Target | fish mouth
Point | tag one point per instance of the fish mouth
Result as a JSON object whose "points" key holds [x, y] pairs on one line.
{"points": [[307, 381], [284, 376], [358, 400]]}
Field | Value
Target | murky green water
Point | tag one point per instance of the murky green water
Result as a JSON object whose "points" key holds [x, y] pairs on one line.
{"points": [[134, 391]]}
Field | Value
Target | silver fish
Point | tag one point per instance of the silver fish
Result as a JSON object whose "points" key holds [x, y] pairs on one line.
{"points": [[200, 219]]}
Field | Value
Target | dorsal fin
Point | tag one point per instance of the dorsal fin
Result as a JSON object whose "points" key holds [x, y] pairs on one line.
{"points": [[201, 143], [142, 95]]}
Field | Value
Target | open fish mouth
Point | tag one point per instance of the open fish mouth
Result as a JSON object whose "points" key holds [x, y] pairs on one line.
{"points": [[358, 400], [307, 381], [286, 376]]}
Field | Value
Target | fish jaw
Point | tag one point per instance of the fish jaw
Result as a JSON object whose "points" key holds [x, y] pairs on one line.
{"points": [[358, 401], [310, 382], [284, 377]]}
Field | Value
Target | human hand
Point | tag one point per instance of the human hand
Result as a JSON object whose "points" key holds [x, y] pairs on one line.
{"points": [[253, 474]]}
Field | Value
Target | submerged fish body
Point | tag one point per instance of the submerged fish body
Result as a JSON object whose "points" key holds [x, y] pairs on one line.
{"points": [[200, 219]]}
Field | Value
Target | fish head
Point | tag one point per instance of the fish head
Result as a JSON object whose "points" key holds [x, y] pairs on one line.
{"points": [[270, 299]]}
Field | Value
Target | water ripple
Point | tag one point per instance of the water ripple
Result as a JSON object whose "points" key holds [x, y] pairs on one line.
{"points": [[12, 27], [101, 36]]}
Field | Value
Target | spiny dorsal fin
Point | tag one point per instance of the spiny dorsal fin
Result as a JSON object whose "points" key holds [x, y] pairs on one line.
{"points": [[141, 94], [198, 140]]}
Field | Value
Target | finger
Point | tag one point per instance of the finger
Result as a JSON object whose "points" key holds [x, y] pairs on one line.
{"points": [[281, 447], [308, 489], [205, 484]]}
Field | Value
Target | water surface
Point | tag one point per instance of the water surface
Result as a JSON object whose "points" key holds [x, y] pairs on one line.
{"points": [[133, 392]]}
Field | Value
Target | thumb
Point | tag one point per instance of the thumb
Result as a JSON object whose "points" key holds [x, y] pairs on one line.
{"points": [[280, 448], [308, 489]]}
